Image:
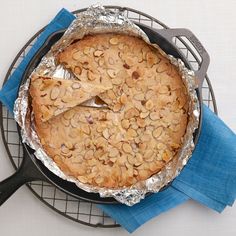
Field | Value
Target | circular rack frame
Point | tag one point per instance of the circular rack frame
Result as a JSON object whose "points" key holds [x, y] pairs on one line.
{"points": [[77, 210]]}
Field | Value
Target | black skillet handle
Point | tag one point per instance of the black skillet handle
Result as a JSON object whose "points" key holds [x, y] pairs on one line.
{"points": [[169, 34], [27, 172]]}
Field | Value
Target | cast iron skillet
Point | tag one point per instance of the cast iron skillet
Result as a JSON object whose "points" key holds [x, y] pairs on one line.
{"points": [[32, 169]]}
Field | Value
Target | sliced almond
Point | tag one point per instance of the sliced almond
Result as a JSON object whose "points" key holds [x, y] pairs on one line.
{"points": [[91, 75], [86, 129], [154, 167], [138, 159], [78, 70], [103, 157], [82, 179], [99, 180], [69, 114], [161, 146], [150, 93], [88, 155], [113, 159], [149, 104], [76, 85], [151, 58], [112, 73], [134, 126], [131, 160], [98, 53], [154, 116], [142, 146], [175, 128], [141, 122], [98, 153], [106, 134], [121, 46], [113, 152], [132, 112], [69, 145], [130, 82], [101, 142], [77, 55], [86, 50], [139, 96], [111, 94], [162, 66], [143, 174], [101, 62], [125, 124], [174, 145], [144, 114], [127, 148], [121, 160], [131, 133], [135, 75], [64, 149], [54, 93], [117, 81], [166, 156], [123, 98], [148, 154], [117, 107], [163, 90], [114, 41], [126, 66], [182, 100], [111, 61], [157, 132], [146, 137]]}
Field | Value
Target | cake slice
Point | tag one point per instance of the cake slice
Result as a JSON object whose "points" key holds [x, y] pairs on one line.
{"points": [[53, 96]]}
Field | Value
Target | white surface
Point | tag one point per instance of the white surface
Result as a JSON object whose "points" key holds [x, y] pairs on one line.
{"points": [[213, 22]]}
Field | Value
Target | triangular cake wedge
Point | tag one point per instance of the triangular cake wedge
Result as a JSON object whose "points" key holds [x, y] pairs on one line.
{"points": [[53, 96]]}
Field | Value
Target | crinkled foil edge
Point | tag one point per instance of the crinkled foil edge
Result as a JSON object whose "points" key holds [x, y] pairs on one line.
{"points": [[97, 19]]}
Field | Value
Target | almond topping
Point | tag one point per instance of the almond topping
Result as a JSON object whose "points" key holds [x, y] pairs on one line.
{"points": [[154, 116], [114, 41], [125, 124], [114, 152], [157, 132], [88, 155], [149, 105], [127, 148], [98, 53], [106, 134], [111, 61], [123, 98], [135, 75], [82, 179], [139, 96], [55, 93], [76, 85], [112, 73], [78, 70]]}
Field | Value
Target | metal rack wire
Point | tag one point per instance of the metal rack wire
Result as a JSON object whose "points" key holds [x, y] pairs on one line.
{"points": [[74, 209]]}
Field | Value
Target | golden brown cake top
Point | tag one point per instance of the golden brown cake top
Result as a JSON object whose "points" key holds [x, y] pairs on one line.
{"points": [[142, 130]]}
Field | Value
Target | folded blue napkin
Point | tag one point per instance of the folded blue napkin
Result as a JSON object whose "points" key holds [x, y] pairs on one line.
{"points": [[209, 177]]}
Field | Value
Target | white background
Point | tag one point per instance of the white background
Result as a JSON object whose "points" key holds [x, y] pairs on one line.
{"points": [[213, 21]]}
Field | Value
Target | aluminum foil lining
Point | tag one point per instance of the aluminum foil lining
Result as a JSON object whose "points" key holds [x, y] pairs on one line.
{"points": [[97, 19]]}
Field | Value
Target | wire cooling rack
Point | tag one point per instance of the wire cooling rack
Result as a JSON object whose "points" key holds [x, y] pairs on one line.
{"points": [[74, 209]]}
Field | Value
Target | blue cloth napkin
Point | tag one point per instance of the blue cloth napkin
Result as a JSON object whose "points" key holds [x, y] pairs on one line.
{"points": [[209, 177]]}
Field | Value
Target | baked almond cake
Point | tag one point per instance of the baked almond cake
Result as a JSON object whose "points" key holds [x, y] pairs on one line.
{"points": [[142, 127]]}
